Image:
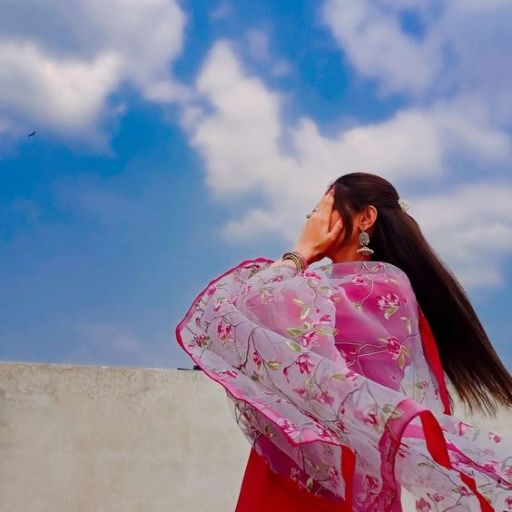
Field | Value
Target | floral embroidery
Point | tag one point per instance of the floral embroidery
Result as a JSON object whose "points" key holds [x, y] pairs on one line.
{"points": [[312, 361], [324, 397], [359, 279], [389, 303], [438, 497], [495, 437], [422, 505], [394, 347], [224, 332], [304, 363], [256, 358]]}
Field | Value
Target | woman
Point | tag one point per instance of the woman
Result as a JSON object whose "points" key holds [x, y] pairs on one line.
{"points": [[336, 374]]}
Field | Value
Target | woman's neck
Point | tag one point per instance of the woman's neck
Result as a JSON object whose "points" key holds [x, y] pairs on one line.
{"points": [[348, 254]]}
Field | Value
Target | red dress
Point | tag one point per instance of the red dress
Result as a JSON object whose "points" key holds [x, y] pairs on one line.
{"points": [[263, 490]]}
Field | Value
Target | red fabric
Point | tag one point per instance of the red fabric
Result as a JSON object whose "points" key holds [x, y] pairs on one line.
{"points": [[434, 360], [264, 490], [436, 445]]}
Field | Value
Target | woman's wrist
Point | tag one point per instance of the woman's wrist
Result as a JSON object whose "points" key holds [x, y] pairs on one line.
{"points": [[308, 253], [297, 258]]}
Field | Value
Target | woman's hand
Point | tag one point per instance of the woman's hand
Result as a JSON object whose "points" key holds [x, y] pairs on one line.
{"points": [[316, 236]]}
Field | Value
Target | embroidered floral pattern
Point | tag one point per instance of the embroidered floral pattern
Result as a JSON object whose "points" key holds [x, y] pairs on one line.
{"points": [[320, 362]]}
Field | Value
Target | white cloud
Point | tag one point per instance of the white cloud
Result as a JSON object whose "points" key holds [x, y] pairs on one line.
{"points": [[55, 94], [408, 144], [458, 68], [372, 38], [467, 126], [239, 137], [57, 75], [250, 150], [471, 226], [456, 72], [247, 145], [259, 49], [463, 47]]}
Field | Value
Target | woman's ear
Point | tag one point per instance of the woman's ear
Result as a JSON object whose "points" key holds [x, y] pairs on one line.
{"points": [[368, 217]]}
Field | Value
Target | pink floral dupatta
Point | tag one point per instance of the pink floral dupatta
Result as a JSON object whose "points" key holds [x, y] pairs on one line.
{"points": [[328, 377]]}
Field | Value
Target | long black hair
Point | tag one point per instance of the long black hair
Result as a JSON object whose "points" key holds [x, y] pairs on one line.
{"points": [[468, 357]]}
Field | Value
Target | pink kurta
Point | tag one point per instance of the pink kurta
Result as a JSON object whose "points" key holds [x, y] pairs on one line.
{"points": [[336, 382]]}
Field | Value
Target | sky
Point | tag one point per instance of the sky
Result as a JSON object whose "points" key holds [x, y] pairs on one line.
{"points": [[176, 139]]}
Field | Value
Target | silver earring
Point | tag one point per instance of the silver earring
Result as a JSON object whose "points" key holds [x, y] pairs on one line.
{"points": [[364, 240]]}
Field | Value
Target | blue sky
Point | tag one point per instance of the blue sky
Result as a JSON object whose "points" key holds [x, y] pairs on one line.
{"points": [[175, 139]]}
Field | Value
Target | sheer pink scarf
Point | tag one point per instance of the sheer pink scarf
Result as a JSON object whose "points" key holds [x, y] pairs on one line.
{"points": [[333, 384]]}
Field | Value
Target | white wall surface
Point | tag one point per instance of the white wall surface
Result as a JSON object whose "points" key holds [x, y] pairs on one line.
{"points": [[105, 439], [95, 439]]}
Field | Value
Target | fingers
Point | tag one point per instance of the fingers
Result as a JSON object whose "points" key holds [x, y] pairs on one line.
{"points": [[336, 230], [325, 206], [323, 210]]}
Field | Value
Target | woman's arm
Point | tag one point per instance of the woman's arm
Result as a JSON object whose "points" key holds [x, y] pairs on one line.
{"points": [[316, 236]]}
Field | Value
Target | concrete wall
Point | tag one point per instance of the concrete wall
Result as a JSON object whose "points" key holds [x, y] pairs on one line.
{"points": [[95, 439], [103, 439]]}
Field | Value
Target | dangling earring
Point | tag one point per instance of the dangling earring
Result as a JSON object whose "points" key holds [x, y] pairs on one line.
{"points": [[364, 240]]}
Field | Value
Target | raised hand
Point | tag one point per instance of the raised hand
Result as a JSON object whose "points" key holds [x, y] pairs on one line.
{"points": [[317, 235]]}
